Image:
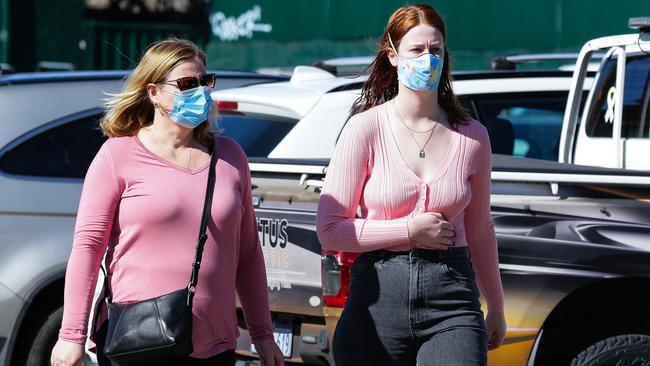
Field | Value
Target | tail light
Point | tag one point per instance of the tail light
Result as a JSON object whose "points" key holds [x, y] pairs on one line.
{"points": [[227, 105], [336, 276]]}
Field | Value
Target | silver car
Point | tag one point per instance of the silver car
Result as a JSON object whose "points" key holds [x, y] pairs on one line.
{"points": [[48, 137]]}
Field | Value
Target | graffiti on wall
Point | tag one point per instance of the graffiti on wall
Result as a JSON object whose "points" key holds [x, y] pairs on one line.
{"points": [[229, 29]]}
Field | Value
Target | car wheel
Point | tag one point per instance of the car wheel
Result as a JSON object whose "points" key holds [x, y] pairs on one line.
{"points": [[46, 337], [626, 349]]}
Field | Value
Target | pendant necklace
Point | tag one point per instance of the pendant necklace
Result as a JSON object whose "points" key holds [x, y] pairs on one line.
{"points": [[411, 131]]}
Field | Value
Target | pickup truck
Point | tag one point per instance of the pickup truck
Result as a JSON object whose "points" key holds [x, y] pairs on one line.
{"points": [[612, 128], [574, 240], [574, 259]]}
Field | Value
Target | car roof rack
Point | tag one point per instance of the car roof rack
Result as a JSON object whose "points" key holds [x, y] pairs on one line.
{"points": [[89, 75], [510, 62], [640, 23]]}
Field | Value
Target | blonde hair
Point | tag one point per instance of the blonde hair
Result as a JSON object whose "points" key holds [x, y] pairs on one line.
{"points": [[131, 109]]}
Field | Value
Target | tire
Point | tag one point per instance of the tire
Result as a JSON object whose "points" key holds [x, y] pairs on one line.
{"points": [[620, 350], [46, 337]]}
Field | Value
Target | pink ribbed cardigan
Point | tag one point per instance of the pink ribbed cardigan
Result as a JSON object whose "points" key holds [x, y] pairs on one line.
{"points": [[367, 170]]}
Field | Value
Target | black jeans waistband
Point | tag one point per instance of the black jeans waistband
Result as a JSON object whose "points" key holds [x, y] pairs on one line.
{"points": [[429, 254]]}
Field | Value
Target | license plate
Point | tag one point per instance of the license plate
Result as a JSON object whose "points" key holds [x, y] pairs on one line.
{"points": [[283, 338]]}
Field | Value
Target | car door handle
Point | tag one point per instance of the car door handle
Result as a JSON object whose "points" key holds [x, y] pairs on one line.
{"points": [[306, 182]]}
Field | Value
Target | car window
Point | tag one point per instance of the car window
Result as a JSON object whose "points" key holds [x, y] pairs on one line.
{"points": [[66, 150], [257, 134], [523, 124], [63, 151], [600, 118], [636, 117]]}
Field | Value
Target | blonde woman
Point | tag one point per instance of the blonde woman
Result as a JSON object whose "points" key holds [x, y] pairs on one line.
{"points": [[142, 202]]}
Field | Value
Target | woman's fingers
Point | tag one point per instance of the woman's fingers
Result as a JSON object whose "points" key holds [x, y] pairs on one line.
{"points": [[432, 230], [446, 233], [446, 225], [439, 244]]}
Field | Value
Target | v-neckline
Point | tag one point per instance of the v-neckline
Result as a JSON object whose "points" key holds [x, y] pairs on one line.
{"points": [[440, 170], [170, 163]]}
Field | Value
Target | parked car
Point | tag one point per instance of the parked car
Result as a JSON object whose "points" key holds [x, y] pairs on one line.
{"points": [[523, 111], [612, 128], [48, 137], [573, 240], [557, 228]]}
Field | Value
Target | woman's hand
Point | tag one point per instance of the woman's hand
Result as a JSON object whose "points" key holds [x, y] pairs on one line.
{"points": [[496, 329], [67, 353], [269, 353], [431, 231]]}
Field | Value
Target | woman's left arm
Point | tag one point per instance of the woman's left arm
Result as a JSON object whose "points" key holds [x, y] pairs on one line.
{"points": [[251, 281], [479, 228], [481, 238], [251, 272]]}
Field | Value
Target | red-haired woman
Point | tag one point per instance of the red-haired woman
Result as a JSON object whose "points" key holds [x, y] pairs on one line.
{"points": [[419, 168]]}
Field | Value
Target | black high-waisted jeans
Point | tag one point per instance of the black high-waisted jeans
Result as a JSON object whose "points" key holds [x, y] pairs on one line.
{"points": [[416, 307]]}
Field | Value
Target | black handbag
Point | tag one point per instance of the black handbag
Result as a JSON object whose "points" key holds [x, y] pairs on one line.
{"points": [[159, 328]]}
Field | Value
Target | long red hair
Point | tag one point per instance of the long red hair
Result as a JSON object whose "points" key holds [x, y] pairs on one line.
{"points": [[381, 85]]}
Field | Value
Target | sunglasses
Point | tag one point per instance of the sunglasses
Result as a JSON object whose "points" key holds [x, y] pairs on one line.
{"points": [[191, 82]]}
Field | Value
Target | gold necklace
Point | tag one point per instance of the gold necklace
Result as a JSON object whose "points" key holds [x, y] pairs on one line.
{"points": [[410, 131], [190, 159], [189, 146]]}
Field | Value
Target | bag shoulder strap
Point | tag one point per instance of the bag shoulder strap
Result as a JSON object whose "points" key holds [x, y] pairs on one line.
{"points": [[203, 236]]}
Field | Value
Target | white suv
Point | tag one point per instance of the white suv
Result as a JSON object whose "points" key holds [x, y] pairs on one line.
{"points": [[523, 111]]}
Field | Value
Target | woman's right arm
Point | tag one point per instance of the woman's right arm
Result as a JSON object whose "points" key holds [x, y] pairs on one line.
{"points": [[337, 225], [99, 199]]}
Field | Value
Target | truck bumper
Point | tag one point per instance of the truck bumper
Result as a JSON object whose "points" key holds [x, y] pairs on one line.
{"points": [[310, 344]]}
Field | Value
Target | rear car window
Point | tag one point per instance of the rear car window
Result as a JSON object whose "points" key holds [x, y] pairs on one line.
{"points": [[636, 116], [63, 151], [257, 134], [523, 124]]}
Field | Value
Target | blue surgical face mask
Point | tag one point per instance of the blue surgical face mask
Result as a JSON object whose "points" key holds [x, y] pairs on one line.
{"points": [[191, 107], [421, 73]]}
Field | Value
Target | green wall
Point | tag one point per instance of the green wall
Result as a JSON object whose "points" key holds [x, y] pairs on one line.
{"points": [[306, 31], [291, 32], [41, 30], [61, 40]]}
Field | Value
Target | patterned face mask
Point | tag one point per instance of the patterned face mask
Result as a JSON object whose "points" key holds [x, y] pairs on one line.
{"points": [[421, 73]]}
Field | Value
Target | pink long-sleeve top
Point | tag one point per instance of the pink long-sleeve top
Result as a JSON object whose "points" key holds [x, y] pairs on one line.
{"points": [[147, 211], [368, 171]]}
